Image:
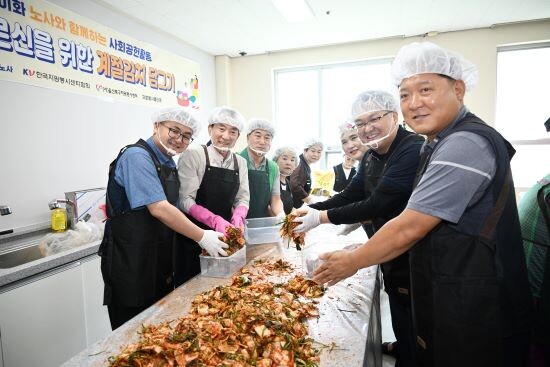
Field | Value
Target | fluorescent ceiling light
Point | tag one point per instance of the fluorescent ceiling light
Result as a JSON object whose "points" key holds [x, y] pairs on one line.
{"points": [[293, 10]]}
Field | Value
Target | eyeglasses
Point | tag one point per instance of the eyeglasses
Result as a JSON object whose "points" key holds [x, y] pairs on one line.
{"points": [[370, 122], [176, 134]]}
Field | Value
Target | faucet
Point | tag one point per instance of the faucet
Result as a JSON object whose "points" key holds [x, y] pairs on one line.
{"points": [[55, 203], [5, 210], [71, 213]]}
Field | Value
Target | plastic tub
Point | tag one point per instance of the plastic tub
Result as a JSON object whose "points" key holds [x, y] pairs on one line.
{"points": [[223, 267], [262, 230]]}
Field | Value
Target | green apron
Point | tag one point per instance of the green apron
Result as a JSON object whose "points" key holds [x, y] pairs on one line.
{"points": [[260, 193]]}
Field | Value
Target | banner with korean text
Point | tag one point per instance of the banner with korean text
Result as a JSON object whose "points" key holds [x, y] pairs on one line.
{"points": [[44, 45]]}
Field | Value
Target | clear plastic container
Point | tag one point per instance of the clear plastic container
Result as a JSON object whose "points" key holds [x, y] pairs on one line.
{"points": [[262, 230], [223, 266]]}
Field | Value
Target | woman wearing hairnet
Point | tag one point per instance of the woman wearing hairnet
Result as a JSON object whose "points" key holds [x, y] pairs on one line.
{"points": [[353, 152], [300, 179], [287, 159], [378, 193], [142, 198], [214, 187], [263, 173], [470, 294]]}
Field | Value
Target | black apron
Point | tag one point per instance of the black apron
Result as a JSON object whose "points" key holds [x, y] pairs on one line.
{"points": [[340, 180], [260, 194], [286, 196], [136, 251], [395, 271], [471, 291], [217, 192]]}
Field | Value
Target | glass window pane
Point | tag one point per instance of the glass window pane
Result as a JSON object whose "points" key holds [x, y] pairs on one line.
{"points": [[297, 107], [530, 164], [314, 101], [334, 158], [523, 77], [340, 87]]}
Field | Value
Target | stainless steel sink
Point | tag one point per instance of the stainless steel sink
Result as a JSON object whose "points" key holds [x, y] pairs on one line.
{"points": [[20, 255]]}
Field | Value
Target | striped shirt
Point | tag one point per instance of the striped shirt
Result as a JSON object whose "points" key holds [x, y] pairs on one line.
{"points": [[459, 172]]}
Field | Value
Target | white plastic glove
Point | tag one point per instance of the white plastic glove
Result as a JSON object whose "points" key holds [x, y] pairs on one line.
{"points": [[348, 228], [211, 243], [280, 217], [309, 221]]}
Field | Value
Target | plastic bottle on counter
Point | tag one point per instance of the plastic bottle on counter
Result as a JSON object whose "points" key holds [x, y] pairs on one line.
{"points": [[59, 220]]}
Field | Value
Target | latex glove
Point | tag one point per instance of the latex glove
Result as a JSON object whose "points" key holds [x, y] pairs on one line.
{"points": [[309, 221], [205, 216], [211, 243], [280, 217], [238, 219], [348, 228]]}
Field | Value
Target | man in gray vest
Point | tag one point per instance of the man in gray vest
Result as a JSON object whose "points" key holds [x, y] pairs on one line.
{"points": [[470, 293]]}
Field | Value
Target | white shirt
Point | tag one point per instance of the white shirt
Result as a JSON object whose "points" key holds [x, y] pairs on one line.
{"points": [[191, 167], [347, 171]]}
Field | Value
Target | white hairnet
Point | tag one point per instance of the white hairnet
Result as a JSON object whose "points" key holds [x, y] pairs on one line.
{"points": [[372, 101], [282, 150], [426, 57], [313, 141], [226, 115], [346, 126], [261, 124], [178, 115]]}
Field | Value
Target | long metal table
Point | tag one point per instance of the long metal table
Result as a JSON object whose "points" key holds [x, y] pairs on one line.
{"points": [[349, 321]]}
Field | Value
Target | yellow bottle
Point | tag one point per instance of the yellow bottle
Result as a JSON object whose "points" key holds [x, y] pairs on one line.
{"points": [[59, 219]]}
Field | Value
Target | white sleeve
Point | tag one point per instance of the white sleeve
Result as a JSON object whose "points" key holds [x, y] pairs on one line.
{"points": [[243, 195], [191, 166]]}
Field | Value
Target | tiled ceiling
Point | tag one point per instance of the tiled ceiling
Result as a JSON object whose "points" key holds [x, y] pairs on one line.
{"points": [[228, 27]]}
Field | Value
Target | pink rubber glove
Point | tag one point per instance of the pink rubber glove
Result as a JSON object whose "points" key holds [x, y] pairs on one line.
{"points": [[239, 215], [205, 216]]}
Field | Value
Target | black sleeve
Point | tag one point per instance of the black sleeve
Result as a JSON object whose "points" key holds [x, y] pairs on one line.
{"points": [[391, 193], [384, 198], [352, 193]]}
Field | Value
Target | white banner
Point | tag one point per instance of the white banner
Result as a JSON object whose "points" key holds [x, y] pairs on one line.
{"points": [[44, 45]]}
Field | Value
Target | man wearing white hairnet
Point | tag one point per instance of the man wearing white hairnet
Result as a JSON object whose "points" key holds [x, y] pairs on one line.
{"points": [[470, 293], [214, 187], [142, 198], [378, 193], [263, 173], [300, 179]]}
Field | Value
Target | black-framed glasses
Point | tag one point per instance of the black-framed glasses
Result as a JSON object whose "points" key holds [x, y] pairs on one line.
{"points": [[177, 134], [372, 121]]}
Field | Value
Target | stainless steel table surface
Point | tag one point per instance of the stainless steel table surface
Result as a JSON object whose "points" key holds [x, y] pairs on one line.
{"points": [[345, 309]]}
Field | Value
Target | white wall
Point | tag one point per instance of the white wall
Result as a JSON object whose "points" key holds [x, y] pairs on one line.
{"points": [[52, 141], [251, 88]]}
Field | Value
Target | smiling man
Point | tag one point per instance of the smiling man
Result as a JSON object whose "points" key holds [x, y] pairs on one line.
{"points": [[376, 194], [263, 173], [142, 198], [214, 187], [470, 294]]}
